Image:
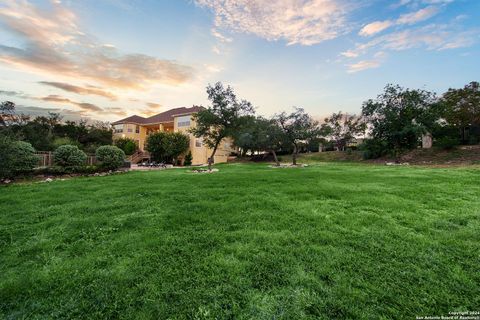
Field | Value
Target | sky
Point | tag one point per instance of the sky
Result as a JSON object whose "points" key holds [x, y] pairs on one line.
{"points": [[108, 59]]}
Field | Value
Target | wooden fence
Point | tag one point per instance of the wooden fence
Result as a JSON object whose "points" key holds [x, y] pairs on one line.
{"points": [[45, 159]]}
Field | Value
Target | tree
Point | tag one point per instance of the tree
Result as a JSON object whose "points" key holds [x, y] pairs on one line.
{"points": [[342, 128], [261, 135], [462, 107], [398, 117], [128, 145], [9, 119], [224, 118], [297, 127], [167, 146]]}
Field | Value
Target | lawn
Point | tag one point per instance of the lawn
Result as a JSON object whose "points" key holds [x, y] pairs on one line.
{"points": [[330, 241]]}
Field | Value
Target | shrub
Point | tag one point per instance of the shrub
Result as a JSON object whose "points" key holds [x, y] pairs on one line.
{"points": [[110, 157], [188, 159], [127, 145], [447, 143], [16, 157], [373, 148], [57, 170], [69, 156]]}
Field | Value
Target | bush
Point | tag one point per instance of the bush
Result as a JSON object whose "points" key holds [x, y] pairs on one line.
{"points": [[16, 157], [69, 156], [188, 159], [110, 157], [57, 170], [127, 145], [373, 148], [447, 143]]}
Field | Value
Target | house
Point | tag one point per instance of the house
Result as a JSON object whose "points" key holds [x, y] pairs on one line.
{"points": [[176, 120]]}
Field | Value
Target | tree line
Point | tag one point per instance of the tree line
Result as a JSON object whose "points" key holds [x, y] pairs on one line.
{"points": [[390, 124], [46, 133]]}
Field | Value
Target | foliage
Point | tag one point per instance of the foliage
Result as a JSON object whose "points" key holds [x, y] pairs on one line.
{"points": [[447, 143], [260, 134], [110, 157], [297, 127], [57, 142], [337, 241], [188, 159], [400, 116], [373, 148], [128, 145], [69, 156], [58, 170], [43, 131], [461, 107], [16, 157], [167, 146], [342, 128], [224, 118]]}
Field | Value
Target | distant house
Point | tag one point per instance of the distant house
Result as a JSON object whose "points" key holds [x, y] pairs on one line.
{"points": [[176, 120]]}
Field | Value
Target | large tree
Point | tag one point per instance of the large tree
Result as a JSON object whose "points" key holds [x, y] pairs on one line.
{"points": [[261, 134], [462, 107], [398, 117], [342, 128], [297, 127], [167, 146], [226, 116]]}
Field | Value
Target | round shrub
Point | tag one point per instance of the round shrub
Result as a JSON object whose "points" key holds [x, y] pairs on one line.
{"points": [[16, 157], [69, 156], [110, 157]]}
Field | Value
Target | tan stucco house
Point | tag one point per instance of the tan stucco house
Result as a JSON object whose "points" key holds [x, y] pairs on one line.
{"points": [[176, 120]]}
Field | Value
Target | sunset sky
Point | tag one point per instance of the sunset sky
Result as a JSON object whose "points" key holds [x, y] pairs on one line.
{"points": [[106, 59]]}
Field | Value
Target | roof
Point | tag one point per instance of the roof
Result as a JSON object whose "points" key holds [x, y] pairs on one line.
{"points": [[166, 116]]}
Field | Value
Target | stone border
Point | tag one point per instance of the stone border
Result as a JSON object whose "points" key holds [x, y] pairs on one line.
{"points": [[200, 171], [283, 166]]}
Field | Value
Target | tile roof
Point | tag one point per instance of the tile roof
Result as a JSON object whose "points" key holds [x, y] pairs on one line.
{"points": [[166, 116]]}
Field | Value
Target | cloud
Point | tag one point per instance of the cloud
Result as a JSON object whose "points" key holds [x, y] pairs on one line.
{"points": [[84, 106], [367, 64], [10, 93], [153, 105], [66, 114], [304, 22], [420, 15], [90, 90], [375, 27], [405, 19], [449, 35], [52, 43]]}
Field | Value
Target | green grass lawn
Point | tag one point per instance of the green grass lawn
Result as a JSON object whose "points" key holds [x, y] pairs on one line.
{"points": [[331, 241]]}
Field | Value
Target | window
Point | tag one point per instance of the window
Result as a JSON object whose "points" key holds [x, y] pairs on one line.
{"points": [[198, 142], [137, 129], [183, 121], [118, 128], [129, 128]]}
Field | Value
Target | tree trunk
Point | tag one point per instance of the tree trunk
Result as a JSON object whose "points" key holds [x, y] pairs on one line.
{"points": [[294, 155], [277, 163], [210, 160]]}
